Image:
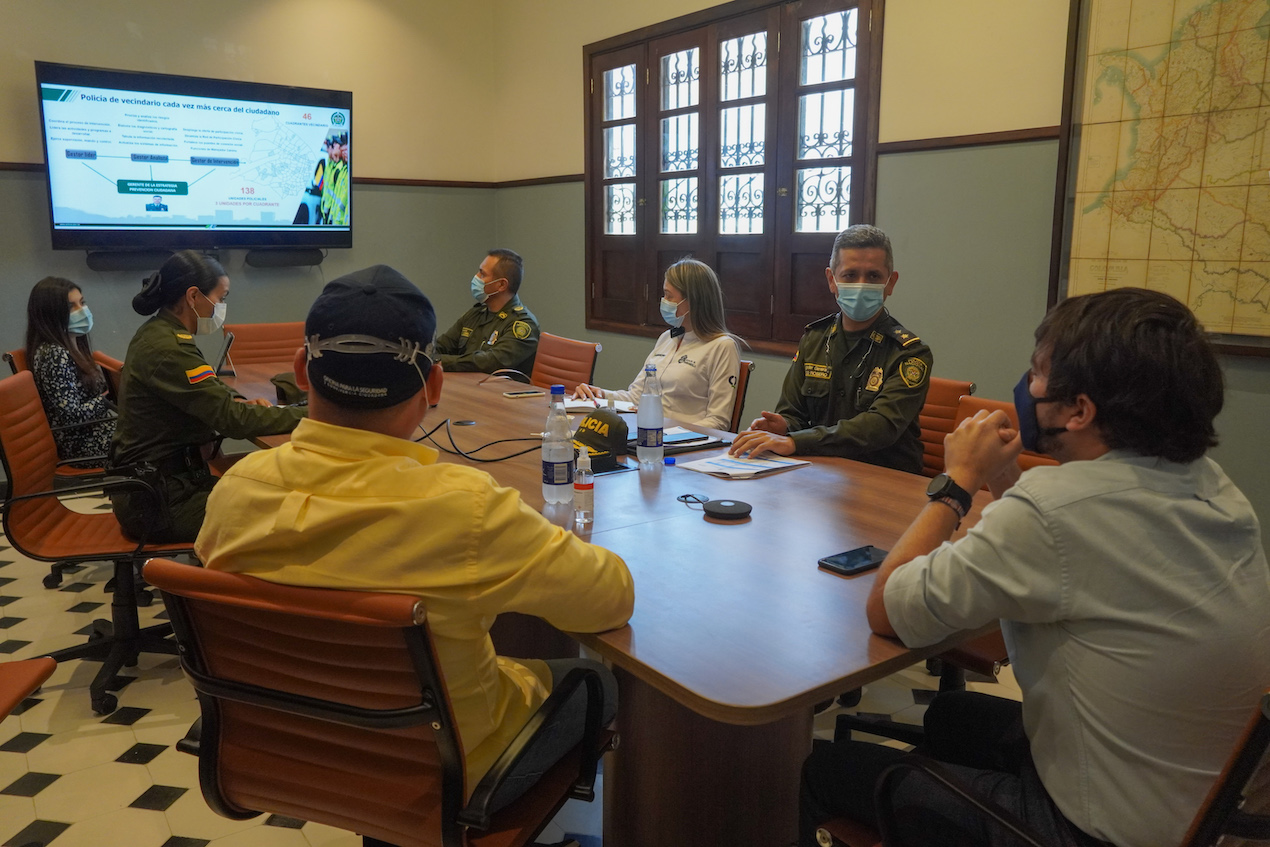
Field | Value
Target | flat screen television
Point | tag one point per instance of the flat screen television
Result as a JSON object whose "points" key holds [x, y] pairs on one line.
{"points": [[144, 161]]}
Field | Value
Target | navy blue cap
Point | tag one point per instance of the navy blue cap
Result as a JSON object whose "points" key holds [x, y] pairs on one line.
{"points": [[368, 338]]}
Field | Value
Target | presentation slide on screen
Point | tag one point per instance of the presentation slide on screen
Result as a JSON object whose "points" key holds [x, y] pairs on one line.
{"points": [[121, 159]]}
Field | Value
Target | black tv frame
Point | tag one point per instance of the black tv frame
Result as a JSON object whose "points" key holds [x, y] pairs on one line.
{"points": [[183, 238]]}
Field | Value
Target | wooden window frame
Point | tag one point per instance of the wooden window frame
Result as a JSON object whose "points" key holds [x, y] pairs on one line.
{"points": [[773, 282]]}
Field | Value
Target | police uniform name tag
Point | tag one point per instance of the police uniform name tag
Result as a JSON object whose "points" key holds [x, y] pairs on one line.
{"points": [[465, 332], [812, 370]]}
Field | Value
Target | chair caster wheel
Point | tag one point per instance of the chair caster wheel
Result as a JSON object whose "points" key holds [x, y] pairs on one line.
{"points": [[53, 580], [145, 598], [935, 666], [105, 704]]}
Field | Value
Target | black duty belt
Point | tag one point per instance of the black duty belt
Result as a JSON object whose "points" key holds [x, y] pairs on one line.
{"points": [[188, 460]]}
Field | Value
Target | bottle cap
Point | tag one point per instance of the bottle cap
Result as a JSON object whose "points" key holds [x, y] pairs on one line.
{"points": [[669, 460], [557, 389], [584, 458]]}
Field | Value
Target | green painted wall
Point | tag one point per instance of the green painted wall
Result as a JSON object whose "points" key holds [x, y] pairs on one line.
{"points": [[970, 227]]}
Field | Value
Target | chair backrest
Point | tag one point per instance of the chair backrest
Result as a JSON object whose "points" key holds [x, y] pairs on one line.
{"points": [[16, 360], [29, 455], [742, 387], [256, 344], [937, 419], [317, 704], [969, 406], [1238, 805], [563, 361]]}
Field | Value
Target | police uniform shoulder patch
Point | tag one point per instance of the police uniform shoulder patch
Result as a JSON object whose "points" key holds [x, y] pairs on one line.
{"points": [[197, 375], [521, 329], [903, 336], [913, 371]]}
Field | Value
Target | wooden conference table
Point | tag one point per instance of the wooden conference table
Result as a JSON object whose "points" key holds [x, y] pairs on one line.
{"points": [[736, 633]]}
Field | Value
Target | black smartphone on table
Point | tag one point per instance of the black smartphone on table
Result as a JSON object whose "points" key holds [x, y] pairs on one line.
{"points": [[855, 561]]}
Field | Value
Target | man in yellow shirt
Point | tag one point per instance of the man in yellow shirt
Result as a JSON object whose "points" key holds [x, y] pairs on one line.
{"points": [[352, 503]]}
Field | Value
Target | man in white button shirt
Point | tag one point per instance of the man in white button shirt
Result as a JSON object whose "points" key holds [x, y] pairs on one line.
{"points": [[1130, 582]]}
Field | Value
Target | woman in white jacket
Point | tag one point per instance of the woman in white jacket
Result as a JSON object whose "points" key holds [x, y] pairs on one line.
{"points": [[698, 360]]}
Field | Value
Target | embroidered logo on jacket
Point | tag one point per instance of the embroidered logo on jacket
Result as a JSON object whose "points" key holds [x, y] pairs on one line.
{"points": [[521, 329], [197, 375], [913, 372]]}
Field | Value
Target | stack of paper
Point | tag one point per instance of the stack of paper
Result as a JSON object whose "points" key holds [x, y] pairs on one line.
{"points": [[733, 467], [574, 407]]}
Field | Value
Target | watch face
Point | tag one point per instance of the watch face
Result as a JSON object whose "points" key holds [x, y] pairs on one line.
{"points": [[937, 485]]}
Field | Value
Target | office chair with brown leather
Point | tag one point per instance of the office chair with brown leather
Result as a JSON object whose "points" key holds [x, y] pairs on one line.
{"points": [[41, 527], [329, 706], [563, 361], [264, 344], [742, 388], [938, 418], [1235, 812]]}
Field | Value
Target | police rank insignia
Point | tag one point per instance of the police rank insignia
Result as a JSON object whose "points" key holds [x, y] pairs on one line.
{"points": [[466, 331], [875, 380], [913, 372], [521, 329]]}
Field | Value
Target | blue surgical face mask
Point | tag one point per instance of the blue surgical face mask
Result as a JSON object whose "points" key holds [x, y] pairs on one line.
{"points": [[1030, 429], [81, 322], [668, 315], [860, 301], [478, 290]]}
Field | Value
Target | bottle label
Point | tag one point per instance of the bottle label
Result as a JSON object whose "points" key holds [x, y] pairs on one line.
{"points": [[557, 473], [649, 437]]}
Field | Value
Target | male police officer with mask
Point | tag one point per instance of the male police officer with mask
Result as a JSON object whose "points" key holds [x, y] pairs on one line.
{"points": [[498, 332], [859, 379]]}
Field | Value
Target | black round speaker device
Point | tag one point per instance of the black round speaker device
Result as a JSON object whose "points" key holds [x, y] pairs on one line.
{"points": [[726, 510]]}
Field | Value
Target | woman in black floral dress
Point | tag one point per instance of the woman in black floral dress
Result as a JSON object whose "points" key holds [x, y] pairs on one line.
{"points": [[71, 384]]}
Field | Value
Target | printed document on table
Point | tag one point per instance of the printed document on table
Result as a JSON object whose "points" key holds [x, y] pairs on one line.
{"points": [[574, 407], [733, 467]]}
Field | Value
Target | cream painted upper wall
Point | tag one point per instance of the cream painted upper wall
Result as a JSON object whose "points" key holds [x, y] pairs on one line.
{"points": [[949, 68], [970, 67], [492, 89], [420, 70], [540, 73]]}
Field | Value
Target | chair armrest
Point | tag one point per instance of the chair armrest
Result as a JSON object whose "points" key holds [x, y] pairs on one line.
{"points": [[508, 373], [98, 461], [115, 479], [477, 813], [81, 424], [941, 780]]}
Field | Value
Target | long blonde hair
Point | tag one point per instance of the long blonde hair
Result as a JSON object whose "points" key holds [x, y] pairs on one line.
{"points": [[699, 285]]}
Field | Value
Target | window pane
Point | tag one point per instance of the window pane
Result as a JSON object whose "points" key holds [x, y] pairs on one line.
{"points": [[680, 79], [741, 135], [825, 124], [743, 67], [679, 205], [619, 93], [741, 203], [828, 50], [824, 199], [619, 209], [679, 143], [619, 151]]}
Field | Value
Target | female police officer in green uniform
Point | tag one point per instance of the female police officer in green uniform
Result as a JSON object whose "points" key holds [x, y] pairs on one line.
{"points": [[171, 403]]}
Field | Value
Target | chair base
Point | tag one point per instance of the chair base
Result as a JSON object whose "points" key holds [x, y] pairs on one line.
{"points": [[117, 643]]}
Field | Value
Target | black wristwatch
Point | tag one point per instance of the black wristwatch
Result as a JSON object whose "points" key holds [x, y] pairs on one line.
{"points": [[943, 489]]}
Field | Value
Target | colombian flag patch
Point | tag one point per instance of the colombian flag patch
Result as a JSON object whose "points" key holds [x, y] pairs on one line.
{"points": [[197, 375]]}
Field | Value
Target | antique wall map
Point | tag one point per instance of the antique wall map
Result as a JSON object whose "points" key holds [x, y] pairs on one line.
{"points": [[1172, 156]]}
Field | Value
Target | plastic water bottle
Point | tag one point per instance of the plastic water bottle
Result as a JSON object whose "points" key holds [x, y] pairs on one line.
{"points": [[650, 420], [584, 489], [557, 452]]}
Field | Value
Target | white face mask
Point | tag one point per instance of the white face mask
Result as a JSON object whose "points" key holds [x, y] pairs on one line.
{"points": [[207, 326]]}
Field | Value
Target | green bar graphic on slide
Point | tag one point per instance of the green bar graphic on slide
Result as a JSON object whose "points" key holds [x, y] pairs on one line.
{"points": [[151, 187], [47, 93]]}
